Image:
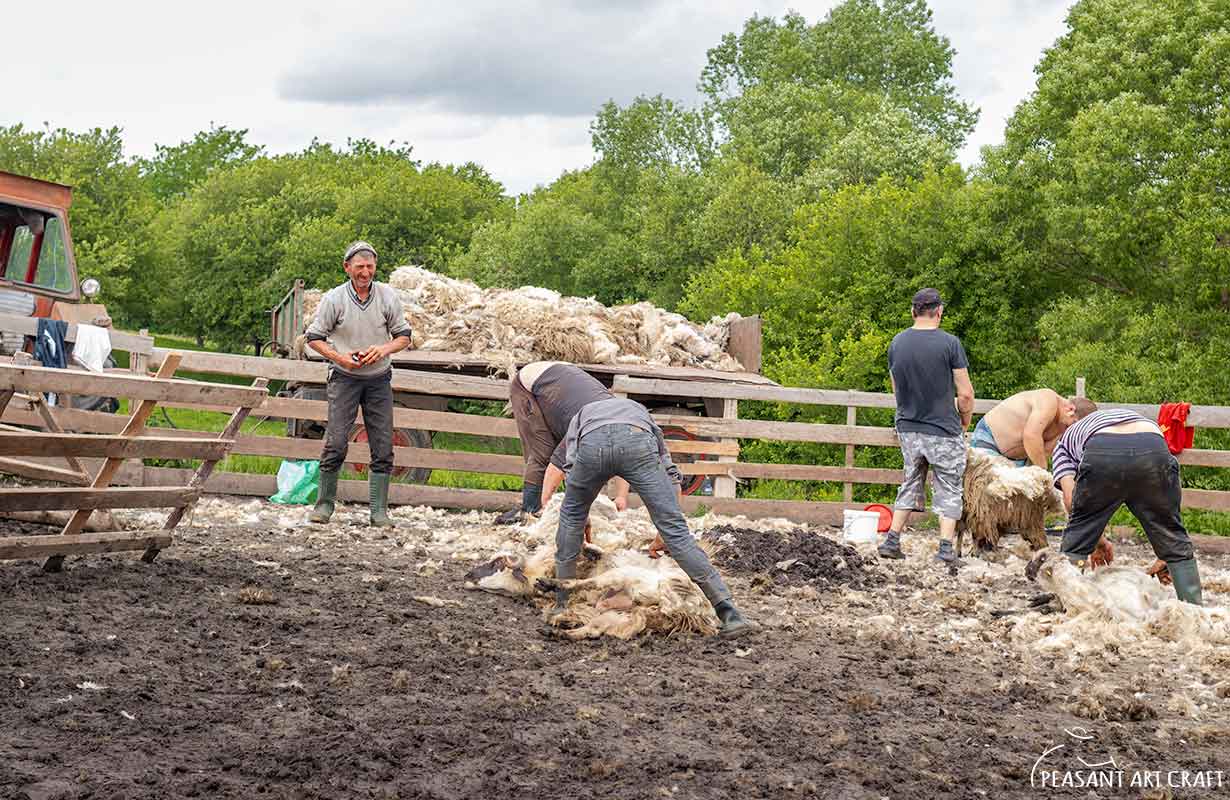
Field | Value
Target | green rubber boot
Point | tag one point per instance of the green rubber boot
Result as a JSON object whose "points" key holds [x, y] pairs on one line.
{"points": [[326, 499], [1186, 577], [378, 493]]}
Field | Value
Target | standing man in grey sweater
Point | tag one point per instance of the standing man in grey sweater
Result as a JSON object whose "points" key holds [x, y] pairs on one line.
{"points": [[358, 326]]}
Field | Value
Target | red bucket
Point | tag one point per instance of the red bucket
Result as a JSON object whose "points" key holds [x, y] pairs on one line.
{"points": [[886, 516]]}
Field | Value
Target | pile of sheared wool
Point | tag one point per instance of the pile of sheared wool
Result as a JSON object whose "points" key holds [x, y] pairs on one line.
{"points": [[1121, 609], [534, 324]]}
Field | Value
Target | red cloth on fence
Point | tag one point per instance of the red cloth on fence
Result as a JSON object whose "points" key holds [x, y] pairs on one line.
{"points": [[1172, 419]]}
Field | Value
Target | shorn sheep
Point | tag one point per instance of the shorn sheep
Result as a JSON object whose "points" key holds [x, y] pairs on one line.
{"points": [[1001, 497], [620, 590]]}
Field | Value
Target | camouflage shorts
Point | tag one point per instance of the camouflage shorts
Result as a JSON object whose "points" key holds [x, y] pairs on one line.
{"points": [[944, 457]]}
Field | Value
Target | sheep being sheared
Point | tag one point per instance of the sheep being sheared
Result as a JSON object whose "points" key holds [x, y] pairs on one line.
{"points": [[1001, 497], [620, 590]]}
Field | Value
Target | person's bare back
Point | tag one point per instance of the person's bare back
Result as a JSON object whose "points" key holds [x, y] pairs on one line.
{"points": [[1028, 424]]}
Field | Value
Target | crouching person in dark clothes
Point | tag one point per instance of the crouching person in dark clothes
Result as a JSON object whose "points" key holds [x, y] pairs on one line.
{"points": [[357, 327], [1116, 457], [545, 396], [617, 437]]}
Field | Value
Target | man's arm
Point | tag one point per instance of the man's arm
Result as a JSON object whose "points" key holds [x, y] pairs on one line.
{"points": [[550, 482], [1067, 484], [965, 396], [1040, 416]]}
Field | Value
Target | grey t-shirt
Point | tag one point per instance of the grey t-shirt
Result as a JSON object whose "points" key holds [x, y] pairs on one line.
{"points": [[616, 411], [349, 324], [921, 362]]}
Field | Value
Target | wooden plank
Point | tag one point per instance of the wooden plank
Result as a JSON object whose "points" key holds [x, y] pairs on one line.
{"points": [[795, 472], [767, 393], [120, 340], [15, 547], [1198, 417], [5, 396], [227, 436], [1206, 499], [42, 472], [746, 340], [55, 498], [100, 520], [83, 444], [404, 380], [784, 431], [1205, 458], [67, 381], [413, 375]]}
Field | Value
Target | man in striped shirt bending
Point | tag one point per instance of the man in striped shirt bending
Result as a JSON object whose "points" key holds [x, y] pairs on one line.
{"points": [[1114, 457]]}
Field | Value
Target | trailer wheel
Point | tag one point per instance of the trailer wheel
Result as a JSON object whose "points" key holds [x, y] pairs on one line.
{"points": [[402, 437], [694, 482]]}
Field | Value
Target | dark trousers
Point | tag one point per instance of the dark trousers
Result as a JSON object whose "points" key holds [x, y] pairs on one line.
{"points": [[1135, 469], [346, 395], [537, 440]]}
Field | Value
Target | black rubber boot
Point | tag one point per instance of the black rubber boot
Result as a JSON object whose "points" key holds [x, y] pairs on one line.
{"points": [[891, 547], [1186, 577], [378, 496], [531, 503], [563, 572], [734, 624], [326, 498]]}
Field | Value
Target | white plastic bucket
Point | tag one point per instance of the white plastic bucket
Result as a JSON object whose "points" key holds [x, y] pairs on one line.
{"points": [[860, 527]]}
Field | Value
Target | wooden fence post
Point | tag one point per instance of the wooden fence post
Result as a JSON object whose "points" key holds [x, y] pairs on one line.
{"points": [[847, 488], [138, 364], [1080, 387], [724, 485]]}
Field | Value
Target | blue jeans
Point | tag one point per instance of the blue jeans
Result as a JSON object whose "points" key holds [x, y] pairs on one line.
{"points": [[632, 454], [983, 439]]}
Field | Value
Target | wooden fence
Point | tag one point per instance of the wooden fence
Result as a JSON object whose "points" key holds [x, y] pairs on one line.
{"points": [[719, 437], [93, 488]]}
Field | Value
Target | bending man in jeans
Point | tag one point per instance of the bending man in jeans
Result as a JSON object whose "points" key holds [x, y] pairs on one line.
{"points": [[357, 327], [617, 437], [1116, 457], [927, 367], [545, 396]]}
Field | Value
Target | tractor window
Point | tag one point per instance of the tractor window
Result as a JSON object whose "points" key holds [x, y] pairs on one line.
{"points": [[52, 271], [19, 254], [53, 259]]}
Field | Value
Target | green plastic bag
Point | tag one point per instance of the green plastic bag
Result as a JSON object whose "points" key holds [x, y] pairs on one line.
{"points": [[298, 482]]}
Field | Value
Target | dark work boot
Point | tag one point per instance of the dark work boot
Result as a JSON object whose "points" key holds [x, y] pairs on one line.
{"points": [[563, 572], [946, 554], [734, 624], [891, 547], [378, 496], [531, 503], [326, 498], [1186, 577]]}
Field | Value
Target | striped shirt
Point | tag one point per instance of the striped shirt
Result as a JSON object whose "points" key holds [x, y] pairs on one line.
{"points": [[1071, 448]]}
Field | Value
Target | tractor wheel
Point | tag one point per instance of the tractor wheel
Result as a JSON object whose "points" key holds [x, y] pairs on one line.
{"points": [[402, 437]]}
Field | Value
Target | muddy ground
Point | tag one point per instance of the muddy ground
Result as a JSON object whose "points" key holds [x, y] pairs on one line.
{"points": [[261, 657]]}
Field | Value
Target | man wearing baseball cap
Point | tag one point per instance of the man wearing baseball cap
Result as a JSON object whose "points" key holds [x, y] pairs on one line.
{"points": [[928, 367], [357, 327]]}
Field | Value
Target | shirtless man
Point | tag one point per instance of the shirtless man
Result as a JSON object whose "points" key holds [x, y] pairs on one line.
{"points": [[1026, 427]]}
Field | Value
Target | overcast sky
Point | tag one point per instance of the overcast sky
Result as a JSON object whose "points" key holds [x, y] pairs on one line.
{"points": [[512, 86]]}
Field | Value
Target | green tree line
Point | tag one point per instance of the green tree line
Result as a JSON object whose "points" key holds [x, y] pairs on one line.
{"points": [[815, 183]]}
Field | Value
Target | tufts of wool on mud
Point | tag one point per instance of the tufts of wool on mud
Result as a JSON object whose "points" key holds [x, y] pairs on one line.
{"points": [[792, 558], [508, 326]]}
